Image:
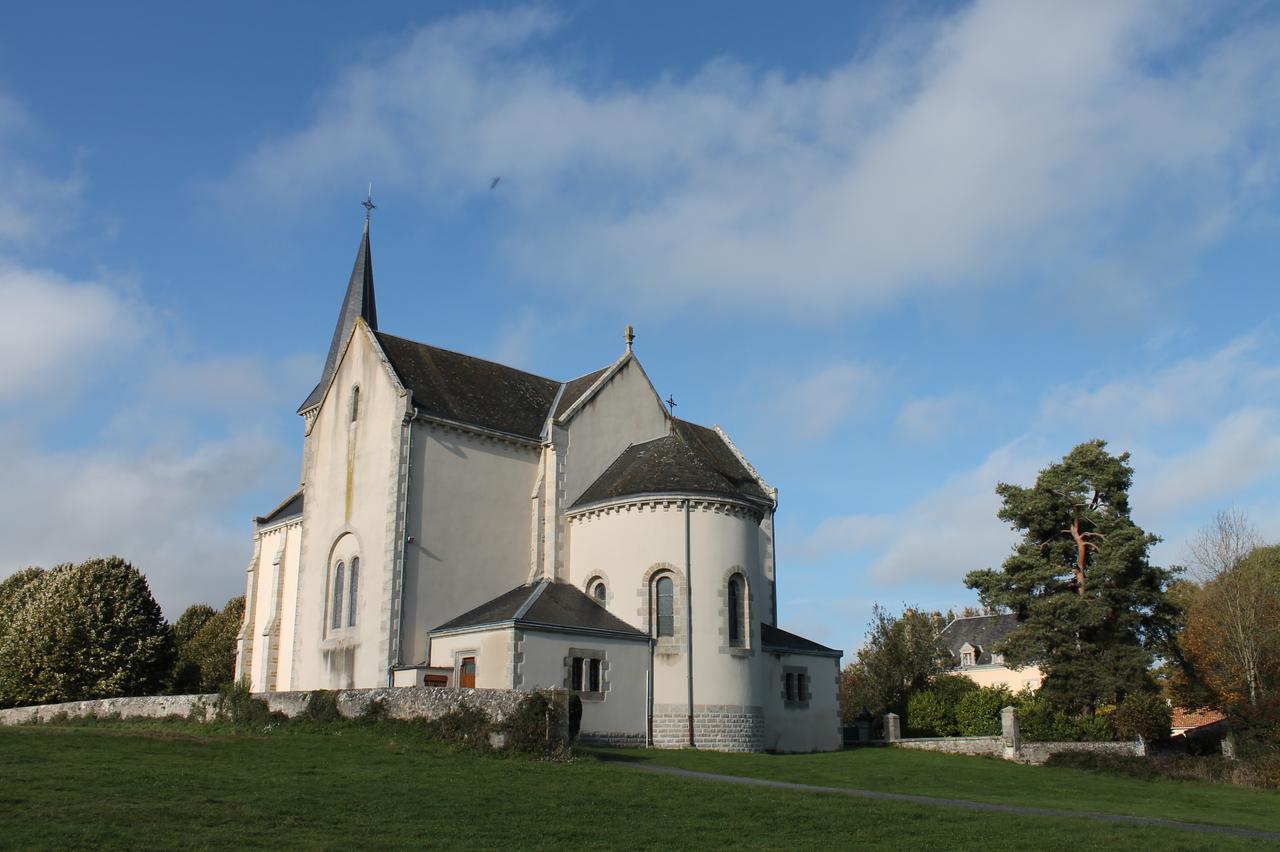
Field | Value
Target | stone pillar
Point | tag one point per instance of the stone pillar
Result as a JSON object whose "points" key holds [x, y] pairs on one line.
{"points": [[892, 727], [1011, 731]]}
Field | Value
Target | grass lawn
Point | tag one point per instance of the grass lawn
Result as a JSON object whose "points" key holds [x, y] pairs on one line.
{"points": [[175, 785], [989, 780]]}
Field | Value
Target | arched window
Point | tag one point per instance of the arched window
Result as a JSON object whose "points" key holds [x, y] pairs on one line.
{"points": [[665, 605], [736, 598], [355, 589], [335, 615], [597, 589], [355, 403]]}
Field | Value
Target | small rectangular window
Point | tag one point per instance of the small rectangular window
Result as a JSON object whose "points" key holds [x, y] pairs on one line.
{"points": [[799, 686], [593, 675], [575, 674]]}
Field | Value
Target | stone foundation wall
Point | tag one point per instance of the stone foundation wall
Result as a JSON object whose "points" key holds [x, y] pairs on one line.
{"points": [[400, 703], [718, 727], [624, 740], [986, 746]]}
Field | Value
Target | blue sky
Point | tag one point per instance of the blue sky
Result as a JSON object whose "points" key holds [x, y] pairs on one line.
{"points": [[900, 253]]}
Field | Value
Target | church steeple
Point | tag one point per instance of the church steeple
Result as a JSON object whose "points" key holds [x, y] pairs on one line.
{"points": [[358, 302]]}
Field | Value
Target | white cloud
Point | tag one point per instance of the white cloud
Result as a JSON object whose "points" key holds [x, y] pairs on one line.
{"points": [[1242, 449], [35, 205], [165, 511], [930, 419], [1011, 135], [1194, 389], [941, 537], [60, 332], [818, 404]]}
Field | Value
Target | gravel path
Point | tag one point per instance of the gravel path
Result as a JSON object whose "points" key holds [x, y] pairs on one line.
{"points": [[937, 801]]}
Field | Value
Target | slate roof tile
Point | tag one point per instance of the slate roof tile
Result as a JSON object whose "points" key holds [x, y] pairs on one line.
{"points": [[545, 603], [981, 631]]}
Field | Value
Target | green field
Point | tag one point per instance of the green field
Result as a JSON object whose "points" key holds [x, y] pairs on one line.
{"points": [[176, 785]]}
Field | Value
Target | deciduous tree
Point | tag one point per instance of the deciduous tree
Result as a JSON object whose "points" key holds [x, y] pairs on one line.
{"points": [[900, 656], [91, 630]]}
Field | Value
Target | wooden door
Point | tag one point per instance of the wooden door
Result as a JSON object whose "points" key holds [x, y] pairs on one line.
{"points": [[467, 673]]}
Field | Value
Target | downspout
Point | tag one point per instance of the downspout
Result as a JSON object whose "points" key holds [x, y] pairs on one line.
{"points": [[688, 614], [404, 542], [649, 687]]}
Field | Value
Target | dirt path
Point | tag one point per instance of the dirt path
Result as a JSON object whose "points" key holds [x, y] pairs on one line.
{"points": [[966, 804]]}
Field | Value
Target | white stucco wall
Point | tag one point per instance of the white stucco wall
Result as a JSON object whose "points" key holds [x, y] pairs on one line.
{"points": [[270, 586], [627, 545], [622, 709], [811, 725], [491, 648], [349, 510], [469, 516], [625, 411]]}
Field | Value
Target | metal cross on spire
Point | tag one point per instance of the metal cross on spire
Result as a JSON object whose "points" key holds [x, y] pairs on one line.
{"points": [[671, 403], [368, 204]]}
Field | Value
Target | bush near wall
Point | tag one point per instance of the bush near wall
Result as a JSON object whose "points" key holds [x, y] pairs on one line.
{"points": [[978, 714], [932, 712]]}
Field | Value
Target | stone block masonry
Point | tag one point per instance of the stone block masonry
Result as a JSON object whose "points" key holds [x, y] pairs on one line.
{"points": [[722, 727]]}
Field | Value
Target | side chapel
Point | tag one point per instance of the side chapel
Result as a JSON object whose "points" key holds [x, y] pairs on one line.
{"points": [[462, 523]]}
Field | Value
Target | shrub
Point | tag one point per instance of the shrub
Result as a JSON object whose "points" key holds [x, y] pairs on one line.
{"points": [[538, 726], [465, 724], [211, 648], [237, 706], [322, 707], [932, 712], [1142, 714], [1040, 721], [929, 716], [978, 713]]}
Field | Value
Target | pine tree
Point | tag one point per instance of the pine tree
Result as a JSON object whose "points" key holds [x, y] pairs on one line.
{"points": [[1091, 607]]}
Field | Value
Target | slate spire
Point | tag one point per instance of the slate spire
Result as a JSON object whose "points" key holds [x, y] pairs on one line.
{"points": [[358, 302]]}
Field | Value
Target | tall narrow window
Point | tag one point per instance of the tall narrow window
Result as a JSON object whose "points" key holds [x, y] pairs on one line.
{"points": [[593, 675], [355, 591], [735, 599], [666, 606], [355, 403], [599, 592], [335, 616]]}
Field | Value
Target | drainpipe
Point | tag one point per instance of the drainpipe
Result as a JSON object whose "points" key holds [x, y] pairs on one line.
{"points": [[404, 541], [688, 614], [648, 690]]}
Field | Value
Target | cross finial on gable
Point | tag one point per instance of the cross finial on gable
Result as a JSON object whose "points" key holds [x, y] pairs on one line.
{"points": [[671, 403], [629, 335]]}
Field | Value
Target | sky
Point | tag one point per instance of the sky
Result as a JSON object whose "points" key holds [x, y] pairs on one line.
{"points": [[899, 252]]}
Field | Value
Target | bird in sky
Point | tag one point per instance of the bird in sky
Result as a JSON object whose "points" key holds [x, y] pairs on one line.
{"points": [[494, 182]]}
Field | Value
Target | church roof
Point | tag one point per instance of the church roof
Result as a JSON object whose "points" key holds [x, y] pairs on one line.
{"points": [[290, 508], [776, 639], [575, 388], [980, 631], [358, 302], [544, 604], [692, 459], [470, 390]]}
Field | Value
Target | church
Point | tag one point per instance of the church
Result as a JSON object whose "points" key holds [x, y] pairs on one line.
{"points": [[460, 523]]}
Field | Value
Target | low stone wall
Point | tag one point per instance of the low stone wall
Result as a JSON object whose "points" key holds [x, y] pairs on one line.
{"points": [[985, 746], [1008, 744], [399, 702], [1037, 753], [150, 707]]}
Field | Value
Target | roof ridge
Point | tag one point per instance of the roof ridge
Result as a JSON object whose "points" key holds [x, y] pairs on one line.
{"points": [[541, 587]]}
